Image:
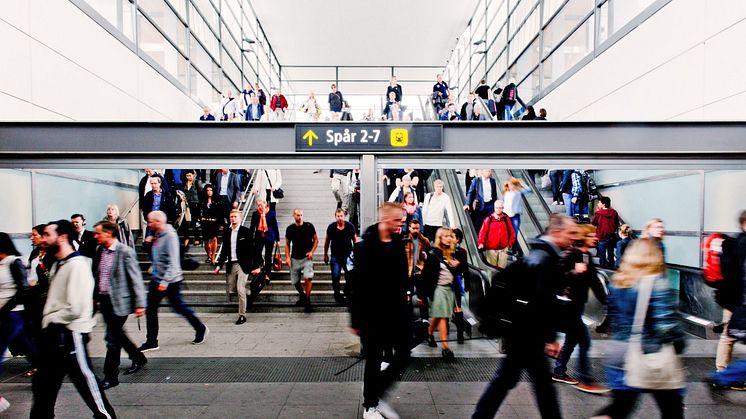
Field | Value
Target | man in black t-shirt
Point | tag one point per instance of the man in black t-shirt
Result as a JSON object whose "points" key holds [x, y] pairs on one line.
{"points": [[342, 236], [304, 241]]}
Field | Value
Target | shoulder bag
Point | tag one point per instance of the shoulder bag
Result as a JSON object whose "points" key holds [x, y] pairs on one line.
{"points": [[662, 370], [277, 193]]}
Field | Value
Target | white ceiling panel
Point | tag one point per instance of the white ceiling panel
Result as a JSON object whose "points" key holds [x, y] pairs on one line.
{"points": [[363, 32]]}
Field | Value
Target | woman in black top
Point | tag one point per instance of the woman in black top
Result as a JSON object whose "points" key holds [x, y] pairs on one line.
{"points": [[192, 190], [212, 217]]}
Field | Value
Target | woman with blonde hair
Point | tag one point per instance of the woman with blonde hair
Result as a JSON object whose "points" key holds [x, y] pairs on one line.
{"points": [[655, 229], [439, 273], [642, 273], [513, 191], [124, 233], [311, 107]]}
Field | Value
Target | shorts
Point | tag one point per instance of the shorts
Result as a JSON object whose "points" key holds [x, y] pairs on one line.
{"points": [[300, 268]]}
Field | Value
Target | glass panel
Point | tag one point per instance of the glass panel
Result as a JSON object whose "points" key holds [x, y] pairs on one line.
{"points": [[159, 49], [530, 87], [179, 6], [118, 13], [202, 32], [565, 21], [164, 17], [550, 7], [229, 17], [527, 32], [615, 14], [520, 13], [231, 69], [200, 87], [528, 60], [202, 60], [230, 44], [208, 12], [569, 53]]}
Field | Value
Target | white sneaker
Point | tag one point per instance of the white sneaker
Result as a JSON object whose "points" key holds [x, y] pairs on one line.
{"points": [[4, 404], [372, 413], [387, 411], [384, 365]]}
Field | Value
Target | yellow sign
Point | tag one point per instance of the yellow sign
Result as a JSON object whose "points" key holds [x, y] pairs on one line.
{"points": [[310, 136], [399, 137]]}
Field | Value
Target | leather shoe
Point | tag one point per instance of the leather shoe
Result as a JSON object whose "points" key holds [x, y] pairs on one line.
{"points": [[241, 320], [106, 384], [135, 367]]}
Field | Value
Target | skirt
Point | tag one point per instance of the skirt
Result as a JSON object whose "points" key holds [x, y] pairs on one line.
{"points": [[210, 229], [443, 301]]}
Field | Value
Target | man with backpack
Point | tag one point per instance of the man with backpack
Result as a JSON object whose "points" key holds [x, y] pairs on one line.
{"points": [[508, 100], [496, 236], [730, 289], [530, 332]]}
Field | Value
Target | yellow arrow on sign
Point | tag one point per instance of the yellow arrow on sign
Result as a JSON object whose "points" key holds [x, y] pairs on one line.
{"points": [[310, 136]]}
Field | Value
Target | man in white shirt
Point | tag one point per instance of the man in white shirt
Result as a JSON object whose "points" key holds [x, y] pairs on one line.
{"points": [[436, 206], [237, 251]]}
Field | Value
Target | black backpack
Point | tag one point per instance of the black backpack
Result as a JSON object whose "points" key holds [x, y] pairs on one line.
{"points": [[588, 186]]}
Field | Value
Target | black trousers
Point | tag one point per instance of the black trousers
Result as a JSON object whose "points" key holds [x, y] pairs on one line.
{"points": [[266, 246], [670, 403], [65, 353], [116, 340], [173, 293], [375, 381], [520, 355]]}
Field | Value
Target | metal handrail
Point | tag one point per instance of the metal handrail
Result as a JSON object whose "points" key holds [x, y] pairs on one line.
{"points": [[247, 201], [534, 189], [131, 207], [486, 109]]}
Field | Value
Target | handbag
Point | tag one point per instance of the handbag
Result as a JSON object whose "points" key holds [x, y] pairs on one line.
{"points": [[277, 260], [277, 193], [662, 370], [546, 181]]}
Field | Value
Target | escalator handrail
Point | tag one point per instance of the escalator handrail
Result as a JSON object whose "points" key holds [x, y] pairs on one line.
{"points": [[486, 109], [536, 191]]}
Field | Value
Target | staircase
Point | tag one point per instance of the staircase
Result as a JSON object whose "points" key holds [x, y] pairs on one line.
{"points": [[304, 189]]}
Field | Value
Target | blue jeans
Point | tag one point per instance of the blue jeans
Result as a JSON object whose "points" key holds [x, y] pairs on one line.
{"points": [[337, 264], [173, 293], [734, 374], [568, 203], [516, 221], [508, 113], [11, 328], [605, 252], [576, 334]]}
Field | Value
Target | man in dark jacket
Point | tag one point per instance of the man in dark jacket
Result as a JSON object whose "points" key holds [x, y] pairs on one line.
{"points": [[264, 233], [237, 251], [480, 200], [731, 294], [606, 221], [378, 304], [228, 188], [83, 242], [566, 190], [533, 334], [119, 291], [158, 200]]}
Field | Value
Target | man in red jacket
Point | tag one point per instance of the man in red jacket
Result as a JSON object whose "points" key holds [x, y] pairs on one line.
{"points": [[496, 236], [606, 221], [279, 105]]}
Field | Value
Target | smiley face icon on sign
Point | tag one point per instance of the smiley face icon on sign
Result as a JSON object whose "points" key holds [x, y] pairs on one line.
{"points": [[399, 137]]}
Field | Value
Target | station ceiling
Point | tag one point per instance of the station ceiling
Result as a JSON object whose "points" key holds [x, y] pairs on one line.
{"points": [[363, 33]]}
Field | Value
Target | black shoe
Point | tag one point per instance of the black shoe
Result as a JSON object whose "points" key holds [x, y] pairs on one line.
{"points": [[718, 328], [241, 320], [431, 341], [307, 307], [135, 367], [339, 298], [107, 384], [199, 338], [301, 302], [448, 355], [147, 346]]}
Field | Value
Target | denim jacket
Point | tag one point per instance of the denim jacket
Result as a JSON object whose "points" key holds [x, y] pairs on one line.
{"points": [[662, 322]]}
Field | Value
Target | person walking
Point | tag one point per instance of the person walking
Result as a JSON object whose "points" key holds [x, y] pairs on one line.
{"points": [[124, 233], [265, 234], [335, 103], [642, 305], [211, 218], [341, 236], [513, 192], [13, 288], [480, 200], [440, 276], [237, 252], [417, 246], [606, 221], [533, 335], [166, 281], [380, 312], [436, 207], [119, 292], [301, 236], [580, 276], [68, 320]]}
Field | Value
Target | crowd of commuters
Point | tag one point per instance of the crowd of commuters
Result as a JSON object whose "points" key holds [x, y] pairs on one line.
{"points": [[482, 104]]}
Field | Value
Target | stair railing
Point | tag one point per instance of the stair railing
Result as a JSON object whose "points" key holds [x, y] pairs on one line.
{"points": [[247, 200]]}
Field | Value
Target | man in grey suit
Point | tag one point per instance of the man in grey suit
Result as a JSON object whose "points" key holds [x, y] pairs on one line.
{"points": [[228, 188], [119, 292]]}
